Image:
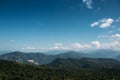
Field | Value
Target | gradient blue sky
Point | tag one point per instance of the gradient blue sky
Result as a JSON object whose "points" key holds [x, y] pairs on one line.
{"points": [[36, 25]]}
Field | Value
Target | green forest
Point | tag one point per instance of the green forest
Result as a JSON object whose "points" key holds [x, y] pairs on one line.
{"points": [[16, 71]]}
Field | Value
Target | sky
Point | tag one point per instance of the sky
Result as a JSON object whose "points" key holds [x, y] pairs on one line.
{"points": [[40, 25]]}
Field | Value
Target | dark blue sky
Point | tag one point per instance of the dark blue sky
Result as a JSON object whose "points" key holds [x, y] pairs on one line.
{"points": [[59, 24]]}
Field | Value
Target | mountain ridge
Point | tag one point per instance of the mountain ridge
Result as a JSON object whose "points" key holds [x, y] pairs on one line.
{"points": [[85, 63], [42, 58]]}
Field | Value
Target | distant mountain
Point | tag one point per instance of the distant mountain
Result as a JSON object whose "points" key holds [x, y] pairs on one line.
{"points": [[72, 54], [37, 58], [85, 63], [55, 52], [103, 53], [118, 58], [3, 52]]}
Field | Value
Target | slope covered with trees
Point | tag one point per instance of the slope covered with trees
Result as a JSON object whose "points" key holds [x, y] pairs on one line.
{"points": [[15, 71]]}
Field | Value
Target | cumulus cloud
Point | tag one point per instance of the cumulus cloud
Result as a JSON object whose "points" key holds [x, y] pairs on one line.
{"points": [[116, 35], [103, 23], [94, 24], [79, 46], [115, 44], [111, 45], [111, 37], [92, 45], [106, 23], [113, 41], [58, 46], [96, 44], [88, 3]]}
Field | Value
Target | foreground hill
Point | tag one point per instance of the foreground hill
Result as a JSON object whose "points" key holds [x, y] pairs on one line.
{"points": [[86, 63], [16, 71]]}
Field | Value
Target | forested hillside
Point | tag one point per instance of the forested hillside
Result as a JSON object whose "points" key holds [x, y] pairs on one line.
{"points": [[15, 71]]}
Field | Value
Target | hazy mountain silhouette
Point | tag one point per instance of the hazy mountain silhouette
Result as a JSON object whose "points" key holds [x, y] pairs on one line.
{"points": [[41, 58]]}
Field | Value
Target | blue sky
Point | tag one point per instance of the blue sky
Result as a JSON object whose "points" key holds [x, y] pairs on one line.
{"points": [[39, 25]]}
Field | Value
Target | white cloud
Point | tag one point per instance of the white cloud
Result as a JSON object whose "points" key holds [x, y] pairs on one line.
{"points": [[112, 36], [106, 23], [58, 46], [94, 24], [87, 46], [116, 35], [88, 3], [112, 41], [29, 48], [79, 46], [103, 23], [96, 44], [115, 44], [111, 45]]}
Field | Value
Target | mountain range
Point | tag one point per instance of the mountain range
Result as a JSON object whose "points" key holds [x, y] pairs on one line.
{"points": [[43, 58], [104, 53], [70, 65], [86, 63], [37, 58]]}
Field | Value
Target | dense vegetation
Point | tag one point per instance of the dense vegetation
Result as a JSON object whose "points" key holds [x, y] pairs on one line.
{"points": [[15, 71]]}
